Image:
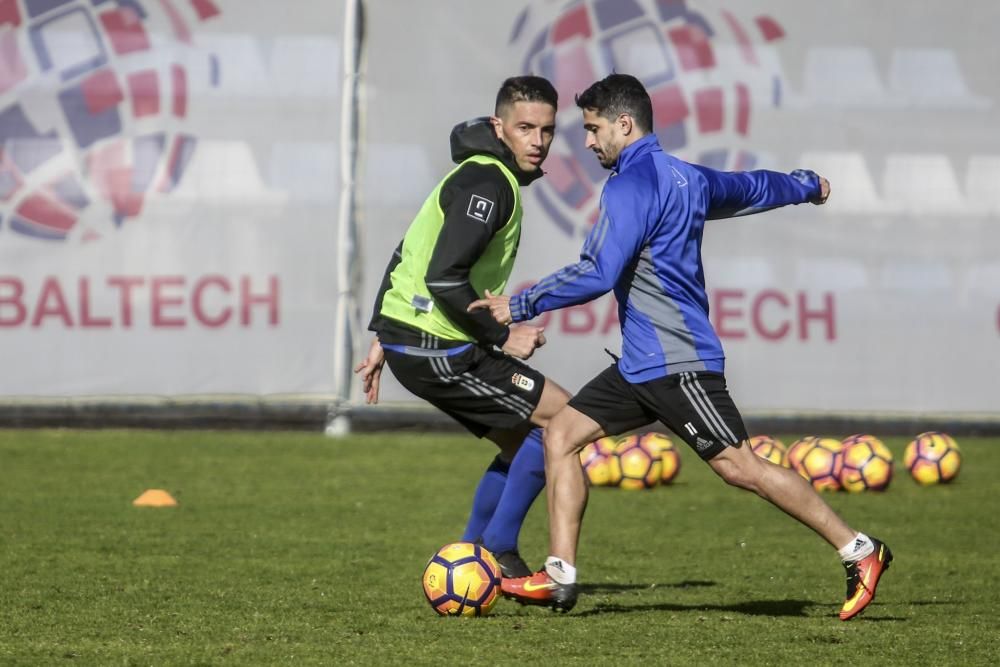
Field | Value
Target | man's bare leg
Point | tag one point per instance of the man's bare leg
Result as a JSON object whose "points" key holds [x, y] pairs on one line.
{"points": [[785, 489], [554, 585], [498, 511], [567, 490], [865, 558]]}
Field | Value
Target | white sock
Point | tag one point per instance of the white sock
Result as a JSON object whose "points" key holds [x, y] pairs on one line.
{"points": [[560, 571], [858, 548]]}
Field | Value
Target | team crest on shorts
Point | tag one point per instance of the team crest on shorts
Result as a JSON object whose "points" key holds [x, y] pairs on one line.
{"points": [[522, 382]]}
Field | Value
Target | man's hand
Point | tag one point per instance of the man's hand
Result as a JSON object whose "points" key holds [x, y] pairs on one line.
{"points": [[523, 340], [499, 306], [371, 371], [805, 177], [824, 192]]}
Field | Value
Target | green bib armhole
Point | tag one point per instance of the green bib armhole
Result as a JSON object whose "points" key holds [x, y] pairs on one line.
{"points": [[409, 301]]}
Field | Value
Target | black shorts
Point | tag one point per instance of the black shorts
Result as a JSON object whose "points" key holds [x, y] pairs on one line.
{"points": [[481, 388], [694, 405]]}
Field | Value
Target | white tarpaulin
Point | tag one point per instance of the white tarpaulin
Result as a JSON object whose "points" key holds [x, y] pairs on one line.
{"points": [[170, 177]]}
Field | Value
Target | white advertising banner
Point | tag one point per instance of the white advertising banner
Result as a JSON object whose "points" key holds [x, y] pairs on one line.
{"points": [[886, 300], [168, 196], [170, 176]]}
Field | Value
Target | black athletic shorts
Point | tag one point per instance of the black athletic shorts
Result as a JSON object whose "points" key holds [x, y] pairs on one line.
{"points": [[694, 405], [480, 388]]}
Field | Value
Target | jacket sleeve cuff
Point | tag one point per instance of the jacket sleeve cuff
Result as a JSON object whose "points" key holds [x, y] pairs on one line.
{"points": [[520, 309], [809, 180]]}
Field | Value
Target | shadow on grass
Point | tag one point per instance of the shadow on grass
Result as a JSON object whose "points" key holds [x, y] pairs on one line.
{"points": [[592, 589], [755, 608]]}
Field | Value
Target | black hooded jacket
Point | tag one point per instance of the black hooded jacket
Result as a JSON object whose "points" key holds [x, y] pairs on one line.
{"points": [[459, 243]]}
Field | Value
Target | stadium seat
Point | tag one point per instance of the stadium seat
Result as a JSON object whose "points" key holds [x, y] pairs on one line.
{"points": [[226, 171], [832, 273], [930, 78], [914, 274], [981, 182], [307, 170], [853, 190], [923, 184], [842, 78], [407, 166], [980, 276], [746, 272]]}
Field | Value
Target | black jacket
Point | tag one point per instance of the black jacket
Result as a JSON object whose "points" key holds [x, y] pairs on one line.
{"points": [[461, 242]]}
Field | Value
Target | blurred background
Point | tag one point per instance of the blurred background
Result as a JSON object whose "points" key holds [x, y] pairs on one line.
{"points": [[198, 198]]}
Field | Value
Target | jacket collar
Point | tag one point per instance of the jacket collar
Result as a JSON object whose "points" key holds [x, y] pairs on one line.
{"points": [[633, 152]]}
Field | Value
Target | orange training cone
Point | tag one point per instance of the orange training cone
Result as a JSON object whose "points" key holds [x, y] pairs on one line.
{"points": [[155, 498]]}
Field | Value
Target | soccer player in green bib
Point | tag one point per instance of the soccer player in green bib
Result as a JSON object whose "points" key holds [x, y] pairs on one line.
{"points": [[460, 247]]}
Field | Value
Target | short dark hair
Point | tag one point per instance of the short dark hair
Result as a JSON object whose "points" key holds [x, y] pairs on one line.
{"points": [[526, 89], [616, 94]]}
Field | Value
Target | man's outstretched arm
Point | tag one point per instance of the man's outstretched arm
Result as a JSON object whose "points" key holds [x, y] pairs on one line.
{"points": [[608, 249], [733, 194]]}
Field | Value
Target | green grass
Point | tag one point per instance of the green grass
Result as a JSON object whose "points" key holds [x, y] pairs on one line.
{"points": [[292, 549]]}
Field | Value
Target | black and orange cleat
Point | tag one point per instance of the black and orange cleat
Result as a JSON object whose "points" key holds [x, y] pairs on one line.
{"points": [[862, 579], [541, 590], [512, 566], [510, 562]]}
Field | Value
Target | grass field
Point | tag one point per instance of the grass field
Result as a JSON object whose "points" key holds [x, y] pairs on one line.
{"points": [[292, 549]]}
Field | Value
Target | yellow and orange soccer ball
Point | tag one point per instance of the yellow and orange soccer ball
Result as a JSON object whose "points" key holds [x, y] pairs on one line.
{"points": [[600, 462], [819, 460], [770, 449], [462, 579], [640, 461], [631, 462], [797, 450], [670, 458], [933, 458], [867, 464]]}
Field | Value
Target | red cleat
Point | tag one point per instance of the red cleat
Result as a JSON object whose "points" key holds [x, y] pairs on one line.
{"points": [[540, 589], [862, 580]]}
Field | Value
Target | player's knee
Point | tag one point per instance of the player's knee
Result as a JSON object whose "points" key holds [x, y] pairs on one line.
{"points": [[734, 476], [553, 436], [737, 470], [556, 438]]}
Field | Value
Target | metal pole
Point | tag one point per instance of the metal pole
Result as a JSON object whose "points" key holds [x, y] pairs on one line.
{"points": [[348, 259]]}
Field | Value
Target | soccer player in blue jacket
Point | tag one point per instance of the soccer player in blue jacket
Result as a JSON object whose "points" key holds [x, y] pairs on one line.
{"points": [[646, 246]]}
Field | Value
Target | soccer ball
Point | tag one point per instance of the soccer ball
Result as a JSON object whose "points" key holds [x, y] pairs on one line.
{"points": [[670, 458], [867, 464], [462, 579], [798, 449], [769, 449], [600, 463], [933, 458], [640, 462], [821, 463]]}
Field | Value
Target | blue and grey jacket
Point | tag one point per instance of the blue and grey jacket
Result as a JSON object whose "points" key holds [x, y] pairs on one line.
{"points": [[646, 245]]}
